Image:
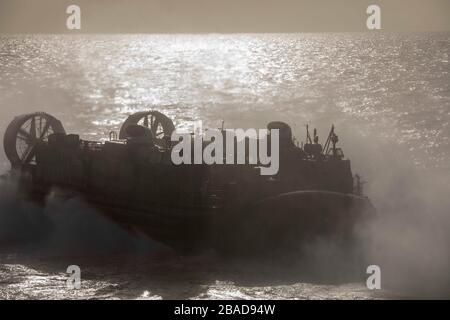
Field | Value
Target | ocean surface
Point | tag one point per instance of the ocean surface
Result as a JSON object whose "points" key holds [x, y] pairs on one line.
{"points": [[387, 94]]}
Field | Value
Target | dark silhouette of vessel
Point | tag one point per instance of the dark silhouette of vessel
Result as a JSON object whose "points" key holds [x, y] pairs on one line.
{"points": [[229, 208]]}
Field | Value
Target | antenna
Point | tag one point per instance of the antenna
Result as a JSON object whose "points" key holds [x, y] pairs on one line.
{"points": [[308, 137], [326, 147], [332, 139]]}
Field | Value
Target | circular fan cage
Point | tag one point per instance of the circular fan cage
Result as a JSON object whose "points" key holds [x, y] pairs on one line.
{"points": [[24, 133], [159, 124]]}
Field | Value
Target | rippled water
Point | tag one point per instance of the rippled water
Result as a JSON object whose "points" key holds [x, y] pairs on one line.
{"points": [[391, 85], [387, 94]]}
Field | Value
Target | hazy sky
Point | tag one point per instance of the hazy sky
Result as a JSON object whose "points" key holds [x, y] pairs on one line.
{"points": [[161, 16]]}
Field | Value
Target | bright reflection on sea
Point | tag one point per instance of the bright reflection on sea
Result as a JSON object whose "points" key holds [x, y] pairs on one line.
{"points": [[394, 87]]}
